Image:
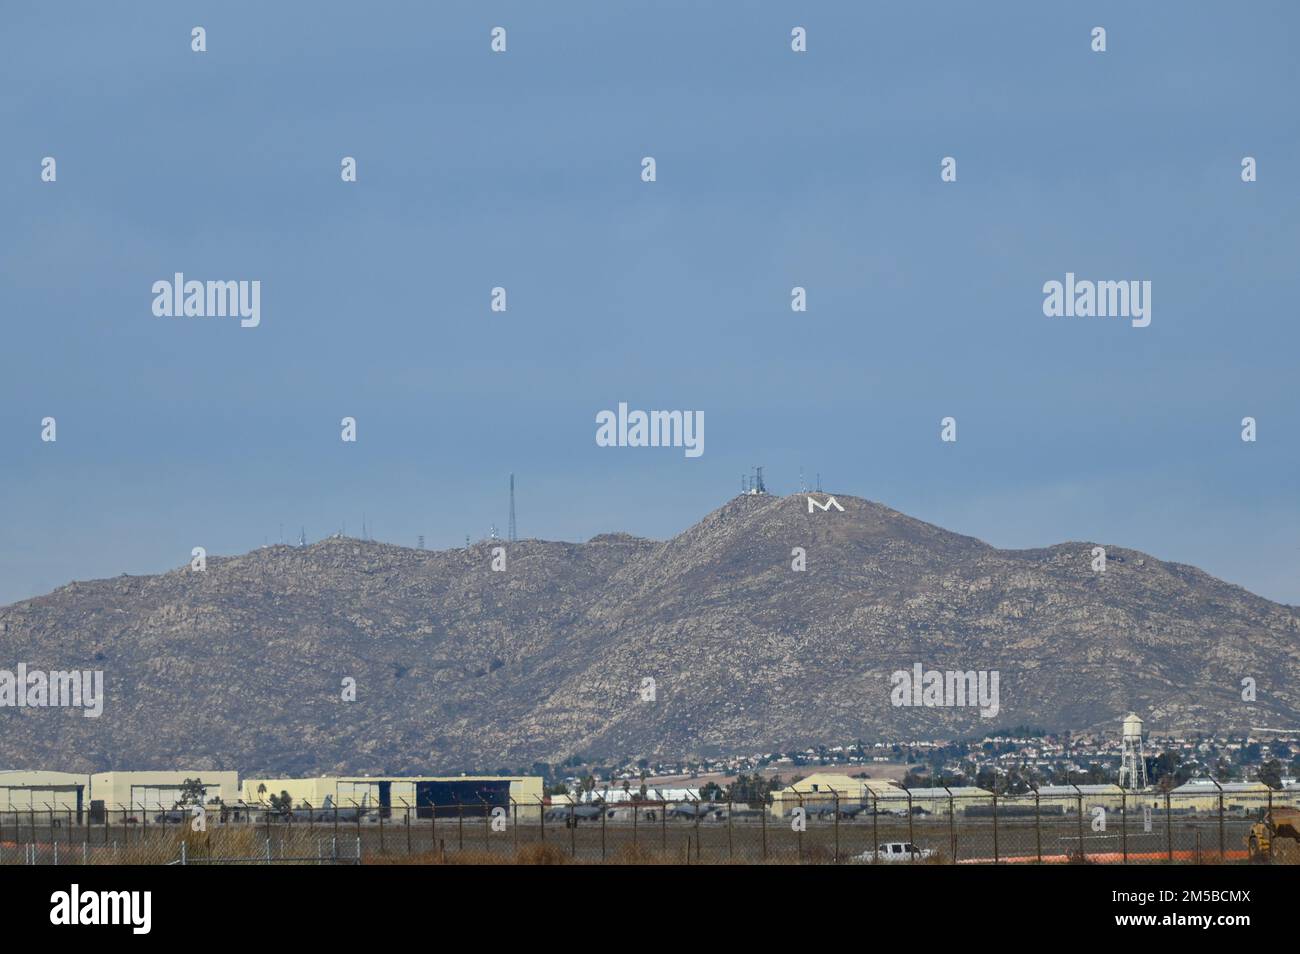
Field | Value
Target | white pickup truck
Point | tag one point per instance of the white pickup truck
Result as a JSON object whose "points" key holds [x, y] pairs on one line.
{"points": [[895, 851]]}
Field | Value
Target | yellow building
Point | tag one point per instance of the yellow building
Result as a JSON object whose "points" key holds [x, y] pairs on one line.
{"points": [[60, 792], [935, 801], [1202, 795], [1067, 797], [820, 790], [398, 793], [148, 792]]}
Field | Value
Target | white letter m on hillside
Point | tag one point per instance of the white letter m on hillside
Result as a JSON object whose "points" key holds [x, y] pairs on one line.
{"points": [[830, 502]]}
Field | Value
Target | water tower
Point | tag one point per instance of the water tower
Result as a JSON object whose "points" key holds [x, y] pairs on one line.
{"points": [[1133, 764]]}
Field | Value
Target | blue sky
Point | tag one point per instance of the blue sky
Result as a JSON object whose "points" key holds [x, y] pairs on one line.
{"points": [[523, 170]]}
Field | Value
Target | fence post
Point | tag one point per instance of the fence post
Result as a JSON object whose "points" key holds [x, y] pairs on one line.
{"points": [[407, 812], [695, 802], [1083, 855], [835, 807], [1169, 831], [604, 812], [799, 833], [1123, 807], [952, 824], [731, 807], [1038, 827], [663, 820], [460, 824], [573, 828], [875, 826], [996, 855], [1268, 820], [764, 820], [911, 836], [1221, 845]]}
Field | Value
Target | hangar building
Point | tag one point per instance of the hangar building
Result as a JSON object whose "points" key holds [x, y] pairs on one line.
{"points": [[44, 791], [155, 791], [454, 794], [820, 789]]}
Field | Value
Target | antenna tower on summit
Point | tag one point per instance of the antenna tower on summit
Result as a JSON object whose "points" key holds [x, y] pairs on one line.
{"points": [[511, 535]]}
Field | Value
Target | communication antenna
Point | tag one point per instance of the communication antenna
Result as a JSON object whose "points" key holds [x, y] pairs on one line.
{"points": [[421, 541], [803, 487], [511, 534], [302, 537], [819, 483], [762, 488], [493, 533]]}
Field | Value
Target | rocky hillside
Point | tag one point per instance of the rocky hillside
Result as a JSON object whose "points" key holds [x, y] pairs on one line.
{"points": [[459, 667]]}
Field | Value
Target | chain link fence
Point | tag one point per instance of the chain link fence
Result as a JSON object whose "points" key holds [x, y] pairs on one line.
{"points": [[951, 828]]}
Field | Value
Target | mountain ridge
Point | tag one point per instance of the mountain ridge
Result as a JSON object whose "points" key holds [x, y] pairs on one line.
{"points": [[461, 667]]}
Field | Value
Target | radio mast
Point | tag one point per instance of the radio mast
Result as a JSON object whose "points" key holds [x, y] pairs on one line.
{"points": [[511, 534]]}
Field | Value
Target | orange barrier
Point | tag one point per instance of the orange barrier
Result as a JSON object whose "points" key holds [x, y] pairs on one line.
{"points": [[1114, 858]]}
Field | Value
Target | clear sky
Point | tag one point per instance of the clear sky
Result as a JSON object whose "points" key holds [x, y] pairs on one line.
{"points": [[522, 170]]}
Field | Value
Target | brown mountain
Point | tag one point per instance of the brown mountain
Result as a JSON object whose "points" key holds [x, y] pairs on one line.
{"points": [[460, 667]]}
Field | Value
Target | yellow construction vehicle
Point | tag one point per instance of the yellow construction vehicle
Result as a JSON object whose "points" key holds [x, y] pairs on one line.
{"points": [[1278, 823]]}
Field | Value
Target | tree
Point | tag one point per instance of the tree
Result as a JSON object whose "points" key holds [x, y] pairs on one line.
{"points": [[1270, 773], [191, 792], [282, 803]]}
